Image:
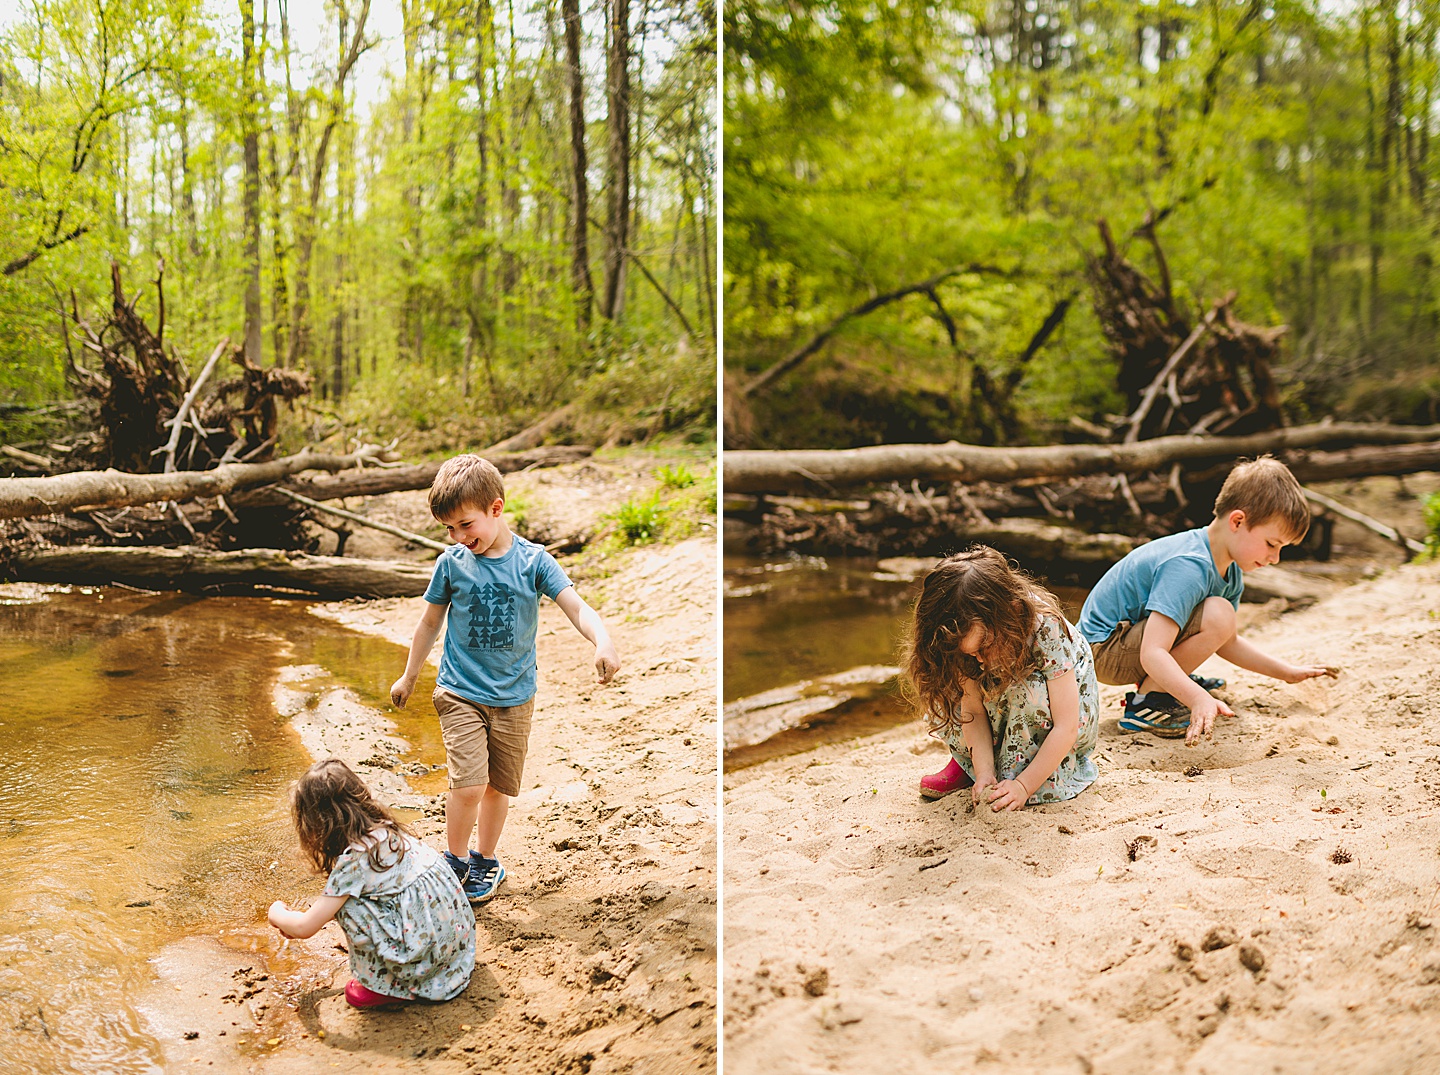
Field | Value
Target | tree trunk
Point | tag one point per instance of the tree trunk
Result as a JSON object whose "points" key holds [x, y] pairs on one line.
{"points": [[250, 191], [794, 358], [823, 471], [199, 570], [583, 287], [617, 185], [300, 328], [482, 317], [375, 481], [187, 184], [81, 490], [531, 436]]}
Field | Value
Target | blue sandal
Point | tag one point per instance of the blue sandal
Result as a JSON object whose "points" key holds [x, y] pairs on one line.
{"points": [[1157, 713], [1207, 683]]}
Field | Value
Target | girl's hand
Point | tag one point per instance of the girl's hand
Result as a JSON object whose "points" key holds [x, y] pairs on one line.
{"points": [[980, 787], [278, 911], [1008, 795]]}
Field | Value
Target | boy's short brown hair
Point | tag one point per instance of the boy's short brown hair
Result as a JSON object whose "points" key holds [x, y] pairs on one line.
{"points": [[465, 481], [1264, 489]]}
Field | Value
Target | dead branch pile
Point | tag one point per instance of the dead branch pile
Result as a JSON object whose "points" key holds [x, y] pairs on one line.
{"points": [[151, 416], [1181, 374]]}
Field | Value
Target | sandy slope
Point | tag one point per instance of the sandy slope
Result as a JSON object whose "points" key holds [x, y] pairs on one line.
{"points": [[1268, 901], [599, 955]]}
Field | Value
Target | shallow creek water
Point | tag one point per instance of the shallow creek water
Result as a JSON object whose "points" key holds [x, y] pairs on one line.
{"points": [[143, 780], [795, 619]]}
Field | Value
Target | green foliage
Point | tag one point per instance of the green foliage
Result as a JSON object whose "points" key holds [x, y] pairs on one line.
{"points": [[868, 147], [518, 508], [640, 521], [1432, 527], [692, 510], [675, 476], [682, 505], [434, 238], [631, 391]]}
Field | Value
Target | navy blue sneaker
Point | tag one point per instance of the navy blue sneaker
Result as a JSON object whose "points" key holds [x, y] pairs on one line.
{"points": [[1210, 684], [471, 877], [1155, 712], [459, 865], [485, 877]]}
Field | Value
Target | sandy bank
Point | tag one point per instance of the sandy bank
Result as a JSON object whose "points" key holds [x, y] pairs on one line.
{"points": [[1265, 902], [599, 953]]}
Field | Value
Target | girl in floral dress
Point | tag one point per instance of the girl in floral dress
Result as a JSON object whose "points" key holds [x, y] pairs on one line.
{"points": [[1007, 683], [410, 928]]}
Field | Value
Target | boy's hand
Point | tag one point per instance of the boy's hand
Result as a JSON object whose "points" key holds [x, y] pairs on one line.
{"points": [[1297, 673], [1008, 795], [1202, 718], [401, 690], [607, 662]]}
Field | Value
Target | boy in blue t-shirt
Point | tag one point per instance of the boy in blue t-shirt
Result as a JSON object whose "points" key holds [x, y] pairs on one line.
{"points": [[485, 591], [1170, 604]]}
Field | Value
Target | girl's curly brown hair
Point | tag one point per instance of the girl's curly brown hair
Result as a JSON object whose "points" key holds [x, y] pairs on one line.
{"points": [[975, 587], [333, 809]]}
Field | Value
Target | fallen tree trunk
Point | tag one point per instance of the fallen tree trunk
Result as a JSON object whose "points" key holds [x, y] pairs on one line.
{"points": [[86, 490], [378, 480], [531, 436], [198, 570], [822, 471], [1363, 462], [1410, 546], [794, 358], [885, 532]]}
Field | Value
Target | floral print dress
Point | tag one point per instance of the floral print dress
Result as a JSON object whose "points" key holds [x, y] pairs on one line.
{"points": [[1020, 717], [410, 928]]}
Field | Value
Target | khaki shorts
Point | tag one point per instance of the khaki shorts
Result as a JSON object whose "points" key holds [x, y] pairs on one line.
{"points": [[1117, 659], [484, 744]]}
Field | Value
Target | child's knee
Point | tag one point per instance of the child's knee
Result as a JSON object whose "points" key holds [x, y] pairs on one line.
{"points": [[470, 795], [1219, 619]]}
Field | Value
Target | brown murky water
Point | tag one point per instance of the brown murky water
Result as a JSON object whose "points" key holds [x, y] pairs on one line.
{"points": [[792, 620], [143, 781]]}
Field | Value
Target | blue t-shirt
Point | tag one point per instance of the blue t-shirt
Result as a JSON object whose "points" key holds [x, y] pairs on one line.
{"points": [[1170, 575], [489, 655]]}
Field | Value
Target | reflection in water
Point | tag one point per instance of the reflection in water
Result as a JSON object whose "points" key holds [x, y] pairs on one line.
{"points": [[797, 619], [143, 781]]}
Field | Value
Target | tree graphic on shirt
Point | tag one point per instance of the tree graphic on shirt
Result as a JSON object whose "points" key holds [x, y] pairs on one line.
{"points": [[492, 617]]}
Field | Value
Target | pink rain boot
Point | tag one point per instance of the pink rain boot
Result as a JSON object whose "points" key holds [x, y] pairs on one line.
{"points": [[360, 997], [951, 778]]}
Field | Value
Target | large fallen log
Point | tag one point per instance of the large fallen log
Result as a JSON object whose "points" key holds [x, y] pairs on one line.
{"points": [[377, 480], [198, 570], [1363, 462], [884, 532], [86, 490], [825, 471], [532, 436]]}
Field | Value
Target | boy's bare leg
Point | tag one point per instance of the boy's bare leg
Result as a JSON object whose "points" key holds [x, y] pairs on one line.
{"points": [[494, 808], [1217, 627], [461, 807]]}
